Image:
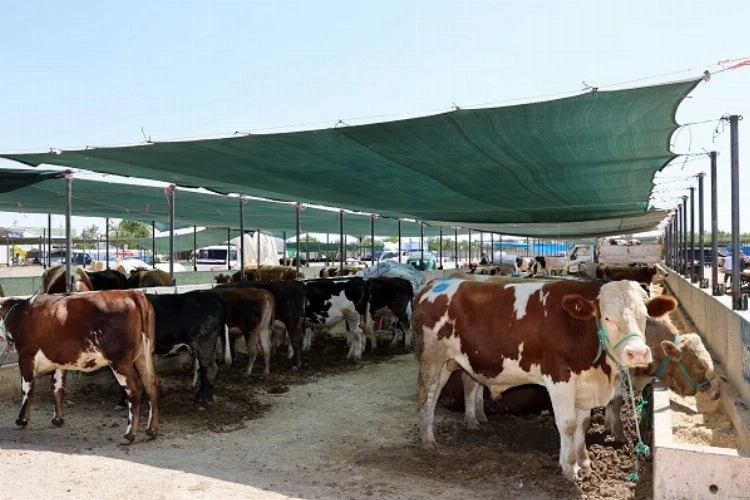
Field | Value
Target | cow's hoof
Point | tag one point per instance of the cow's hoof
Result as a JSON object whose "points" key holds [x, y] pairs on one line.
{"points": [[57, 422], [430, 446], [21, 423], [152, 433], [472, 425], [127, 439]]}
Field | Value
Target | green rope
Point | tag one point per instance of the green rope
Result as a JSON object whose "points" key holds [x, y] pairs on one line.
{"points": [[640, 448]]}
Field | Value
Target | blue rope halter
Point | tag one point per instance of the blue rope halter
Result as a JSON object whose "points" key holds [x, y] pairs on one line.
{"points": [[604, 342], [683, 369]]}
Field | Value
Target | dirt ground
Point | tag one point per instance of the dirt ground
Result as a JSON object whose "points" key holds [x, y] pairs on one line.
{"points": [[335, 430]]}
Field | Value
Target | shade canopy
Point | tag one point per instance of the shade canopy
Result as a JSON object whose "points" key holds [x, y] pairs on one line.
{"points": [[583, 158], [149, 204], [12, 179]]}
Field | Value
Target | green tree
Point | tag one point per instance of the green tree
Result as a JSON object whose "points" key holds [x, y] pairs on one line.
{"points": [[89, 234], [128, 231]]}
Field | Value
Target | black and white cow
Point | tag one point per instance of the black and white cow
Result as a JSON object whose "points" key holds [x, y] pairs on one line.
{"points": [[390, 296], [331, 301]]}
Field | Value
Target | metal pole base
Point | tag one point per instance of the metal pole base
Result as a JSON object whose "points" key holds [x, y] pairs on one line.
{"points": [[703, 283], [718, 289], [740, 303]]}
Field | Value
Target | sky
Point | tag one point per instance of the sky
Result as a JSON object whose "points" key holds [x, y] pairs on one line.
{"points": [[85, 73]]}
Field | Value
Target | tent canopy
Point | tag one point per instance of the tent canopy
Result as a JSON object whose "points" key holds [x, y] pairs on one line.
{"points": [[583, 158]]}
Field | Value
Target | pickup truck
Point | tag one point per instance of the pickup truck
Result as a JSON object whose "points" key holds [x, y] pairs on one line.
{"points": [[605, 253]]}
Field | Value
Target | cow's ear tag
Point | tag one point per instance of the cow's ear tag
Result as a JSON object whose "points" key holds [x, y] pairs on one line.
{"points": [[578, 306]]}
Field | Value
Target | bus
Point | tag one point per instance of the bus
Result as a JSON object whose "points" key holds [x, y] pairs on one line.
{"points": [[214, 258]]}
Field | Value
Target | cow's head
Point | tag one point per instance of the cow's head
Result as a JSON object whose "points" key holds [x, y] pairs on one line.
{"points": [[690, 368], [621, 310], [223, 278]]}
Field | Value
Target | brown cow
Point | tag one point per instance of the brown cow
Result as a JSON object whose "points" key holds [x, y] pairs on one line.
{"points": [[545, 333], [639, 273], [53, 280], [84, 332], [268, 273], [250, 312], [145, 278]]}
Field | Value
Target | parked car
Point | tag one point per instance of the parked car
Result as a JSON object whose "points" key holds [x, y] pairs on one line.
{"points": [[79, 259], [426, 262]]}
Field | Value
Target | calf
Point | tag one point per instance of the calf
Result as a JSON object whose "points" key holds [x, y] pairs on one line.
{"points": [[330, 301], [290, 309], [392, 295], [84, 332], [568, 336], [680, 360], [109, 279], [249, 312], [53, 280], [640, 273], [197, 320]]}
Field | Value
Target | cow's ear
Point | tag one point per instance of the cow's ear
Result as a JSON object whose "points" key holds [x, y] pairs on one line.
{"points": [[578, 307], [661, 305], [672, 350]]}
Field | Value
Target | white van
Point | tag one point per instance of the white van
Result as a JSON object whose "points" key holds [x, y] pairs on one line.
{"points": [[214, 258]]}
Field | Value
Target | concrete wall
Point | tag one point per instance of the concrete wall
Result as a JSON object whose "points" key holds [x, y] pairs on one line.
{"points": [[726, 332]]}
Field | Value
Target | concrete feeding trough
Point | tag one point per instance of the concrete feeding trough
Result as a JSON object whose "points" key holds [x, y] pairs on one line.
{"points": [[694, 471]]}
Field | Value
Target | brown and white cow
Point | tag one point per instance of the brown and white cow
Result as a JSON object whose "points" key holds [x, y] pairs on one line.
{"points": [[250, 312], [545, 333], [84, 332], [53, 280], [335, 271], [268, 273]]}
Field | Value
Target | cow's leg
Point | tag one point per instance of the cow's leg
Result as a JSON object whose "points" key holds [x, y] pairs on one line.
{"points": [[144, 365], [264, 337], [357, 345], [58, 387], [295, 340], [128, 379], [473, 402], [251, 341], [369, 326], [208, 370], [430, 381], [583, 419], [27, 392], [227, 351], [563, 400], [612, 416], [307, 339]]}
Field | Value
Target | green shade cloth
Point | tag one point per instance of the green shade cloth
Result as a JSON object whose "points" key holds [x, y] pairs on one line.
{"points": [[588, 157], [147, 204], [12, 179]]}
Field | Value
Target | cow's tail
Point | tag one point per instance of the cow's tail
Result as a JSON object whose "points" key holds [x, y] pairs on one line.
{"points": [[227, 349], [148, 321]]}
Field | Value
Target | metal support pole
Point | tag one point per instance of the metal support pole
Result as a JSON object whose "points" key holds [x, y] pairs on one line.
{"points": [[242, 240], [469, 246], [283, 234], [455, 244], [49, 240], [257, 248], [692, 274], [685, 270], [195, 248], [492, 249], [106, 241], [678, 238], [170, 192], [421, 245], [440, 249], [342, 243], [372, 239], [328, 247], [307, 249], [229, 249], [737, 300], [714, 229], [701, 235], [153, 244], [481, 244], [68, 234], [399, 241]]}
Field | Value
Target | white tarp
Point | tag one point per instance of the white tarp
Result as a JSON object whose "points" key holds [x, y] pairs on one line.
{"points": [[268, 253]]}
